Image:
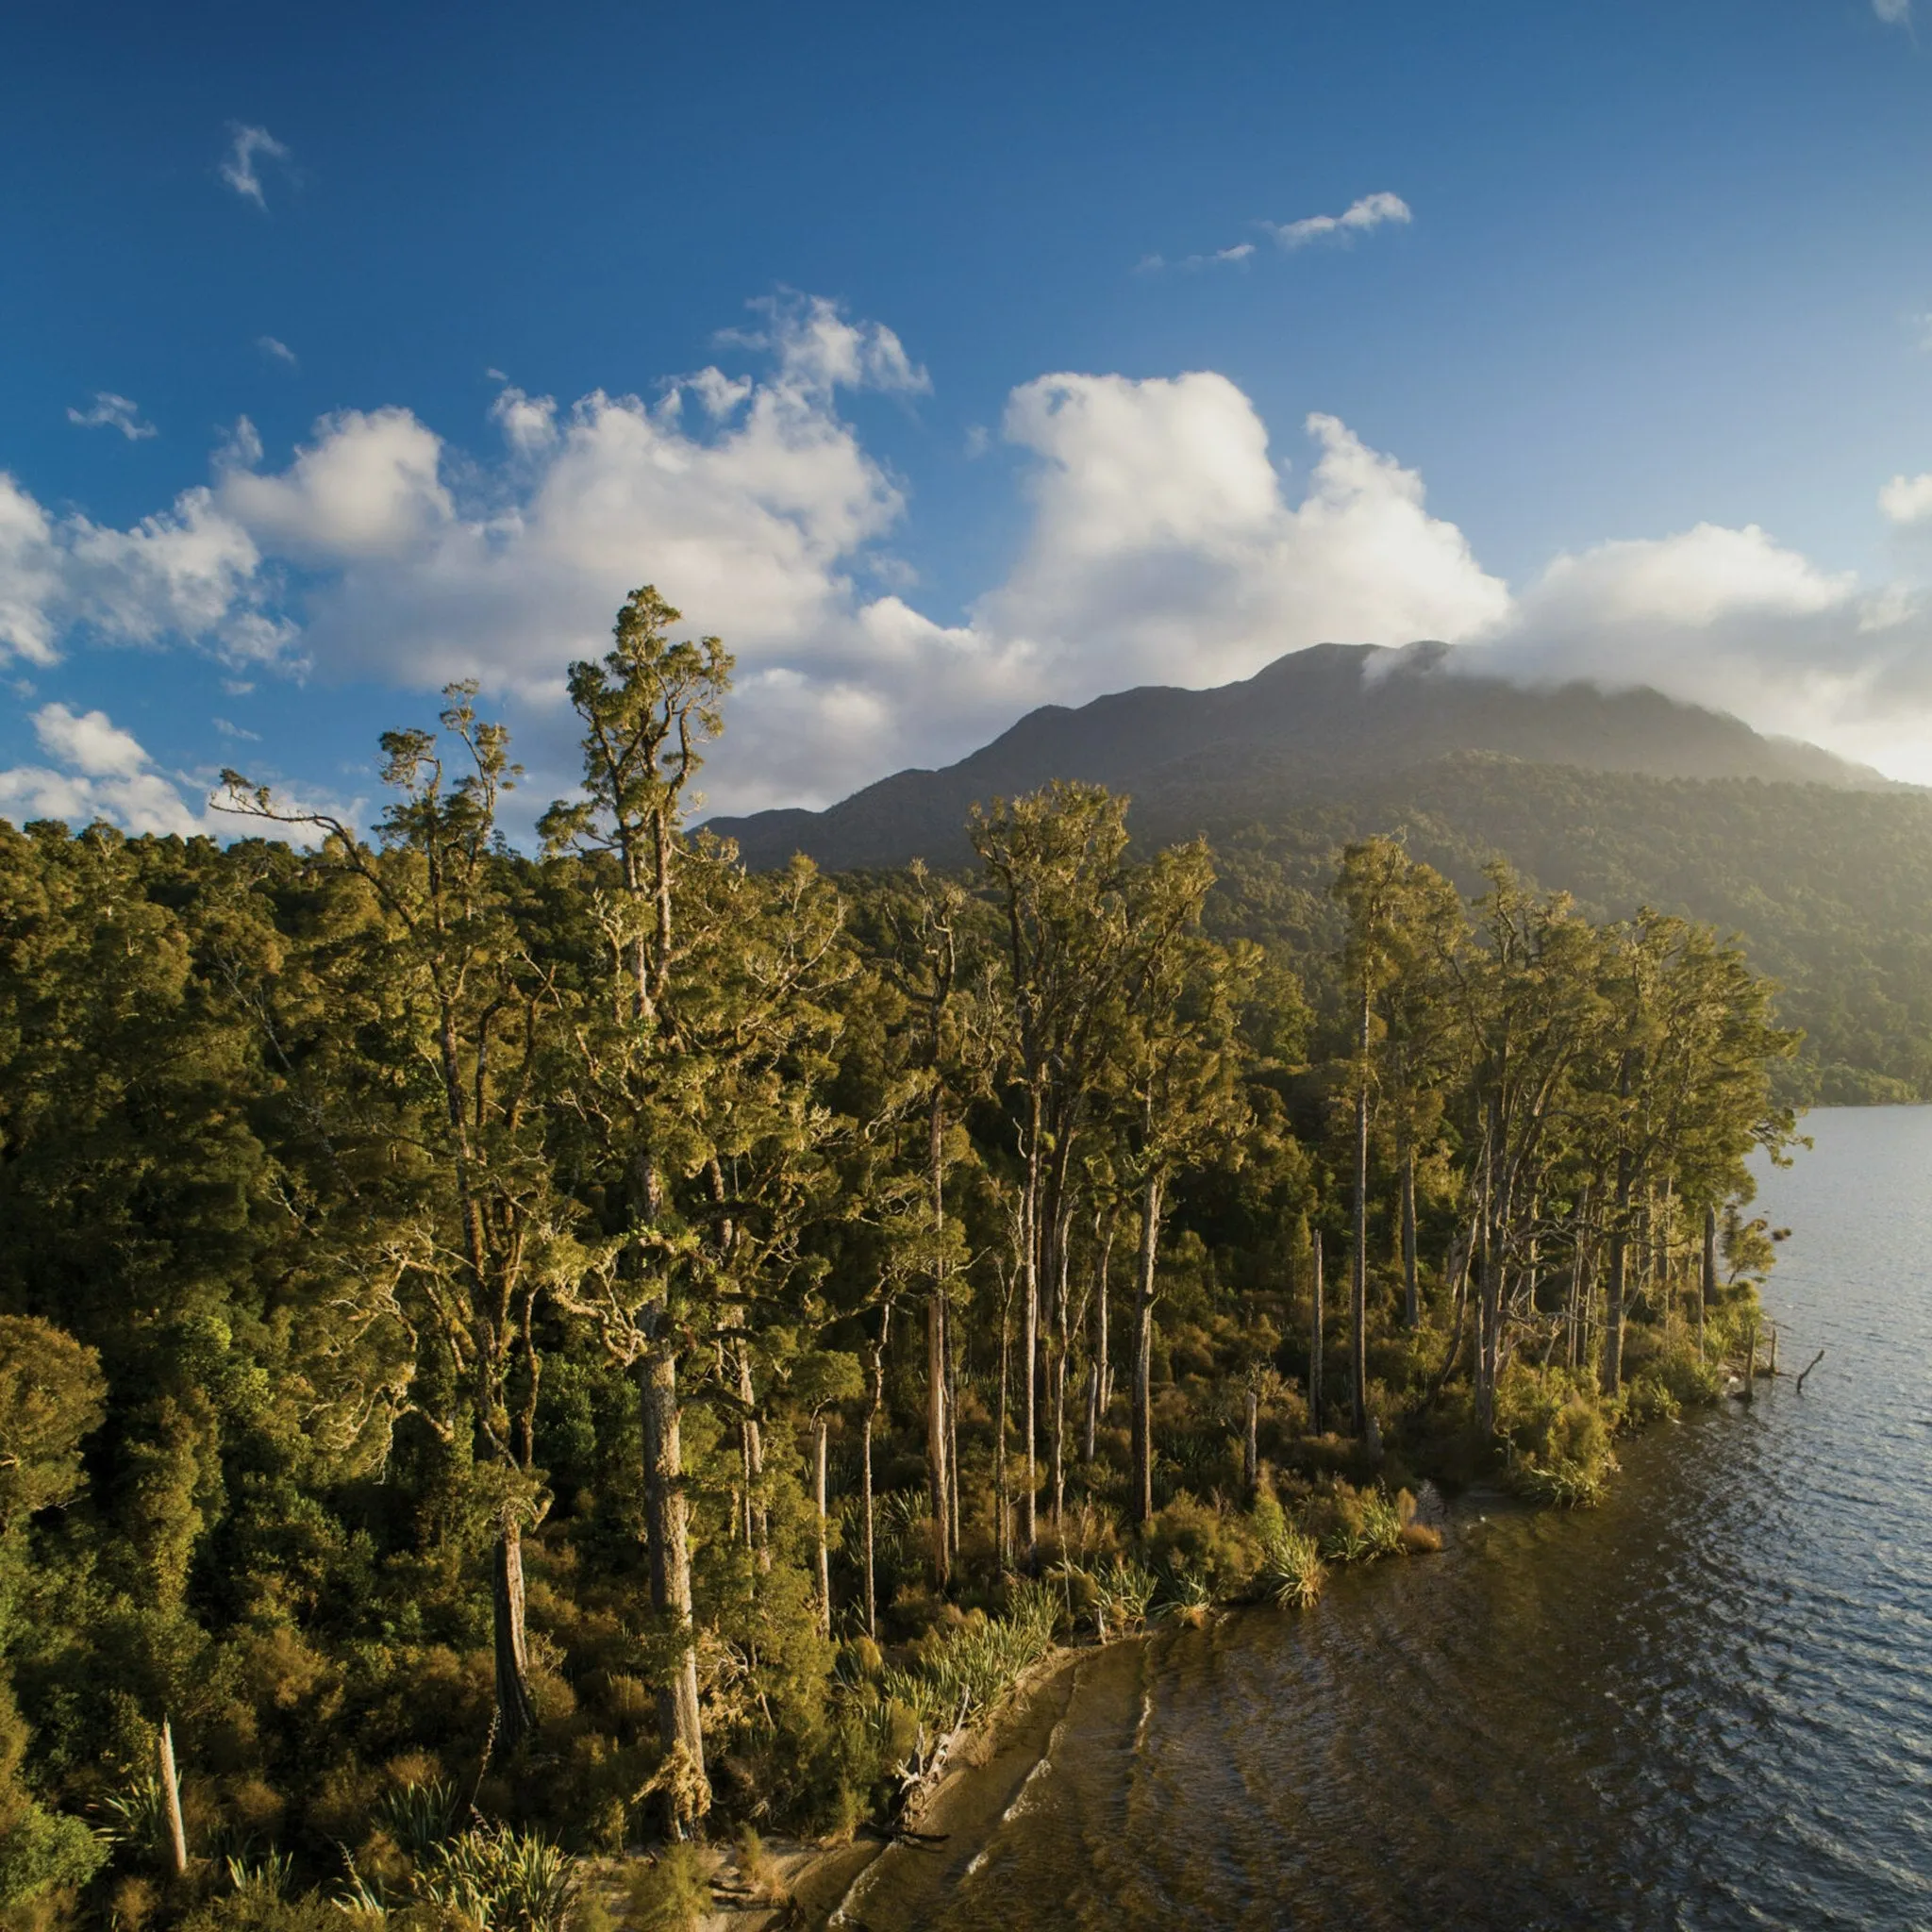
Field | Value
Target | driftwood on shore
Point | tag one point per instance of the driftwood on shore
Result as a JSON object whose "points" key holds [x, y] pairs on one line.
{"points": [[920, 1773]]}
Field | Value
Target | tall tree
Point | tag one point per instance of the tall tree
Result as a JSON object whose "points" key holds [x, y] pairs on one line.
{"points": [[693, 1081], [1055, 863], [1181, 1099], [462, 1018], [1404, 919]]}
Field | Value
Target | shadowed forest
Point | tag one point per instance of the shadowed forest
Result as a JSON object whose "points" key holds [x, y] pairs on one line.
{"points": [[517, 1358]]}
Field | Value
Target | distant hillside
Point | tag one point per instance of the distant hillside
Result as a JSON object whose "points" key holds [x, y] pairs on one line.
{"points": [[1831, 890], [1310, 725]]}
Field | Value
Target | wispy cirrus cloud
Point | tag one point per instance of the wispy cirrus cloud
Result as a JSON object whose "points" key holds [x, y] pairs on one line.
{"points": [[1221, 258], [110, 411], [278, 351], [248, 145], [1368, 212], [1893, 12]]}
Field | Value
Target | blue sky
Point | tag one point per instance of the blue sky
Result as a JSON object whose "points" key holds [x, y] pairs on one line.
{"points": [[945, 363]]}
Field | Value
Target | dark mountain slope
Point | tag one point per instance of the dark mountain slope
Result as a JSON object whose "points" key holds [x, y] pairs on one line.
{"points": [[1309, 725]]}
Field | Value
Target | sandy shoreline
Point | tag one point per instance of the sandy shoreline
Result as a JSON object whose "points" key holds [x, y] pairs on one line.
{"points": [[815, 1880]]}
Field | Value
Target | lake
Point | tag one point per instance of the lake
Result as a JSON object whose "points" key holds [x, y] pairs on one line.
{"points": [[1707, 1703]]}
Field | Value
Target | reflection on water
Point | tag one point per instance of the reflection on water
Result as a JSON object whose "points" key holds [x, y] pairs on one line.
{"points": [[1707, 1703]]}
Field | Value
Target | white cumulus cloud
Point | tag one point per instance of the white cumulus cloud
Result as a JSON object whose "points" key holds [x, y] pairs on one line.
{"points": [[1732, 619], [1165, 541], [1907, 499], [98, 770], [1164, 548], [101, 773], [187, 572], [369, 486]]}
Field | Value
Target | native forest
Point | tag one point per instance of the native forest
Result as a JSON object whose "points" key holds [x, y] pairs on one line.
{"points": [[527, 1357]]}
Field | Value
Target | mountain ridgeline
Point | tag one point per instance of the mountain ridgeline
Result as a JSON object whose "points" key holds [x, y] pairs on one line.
{"points": [[1624, 799]]}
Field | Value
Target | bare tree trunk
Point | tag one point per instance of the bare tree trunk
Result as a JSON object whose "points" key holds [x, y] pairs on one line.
{"points": [[171, 1799], [1707, 1286], [1610, 1375], [680, 1727], [1358, 1270], [1411, 1289], [1029, 1346], [1488, 1323], [1316, 1324], [999, 1451], [1063, 1348], [516, 1715], [953, 1375], [1098, 1368], [1662, 1220], [1496, 1209], [1572, 1311], [938, 1439], [752, 1443], [1143, 1352], [824, 1528], [874, 1400], [1251, 1442]]}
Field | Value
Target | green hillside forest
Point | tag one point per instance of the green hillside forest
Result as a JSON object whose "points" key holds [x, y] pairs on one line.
{"points": [[1828, 892], [515, 1361]]}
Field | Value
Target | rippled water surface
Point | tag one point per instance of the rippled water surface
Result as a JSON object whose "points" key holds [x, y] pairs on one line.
{"points": [[1707, 1703]]}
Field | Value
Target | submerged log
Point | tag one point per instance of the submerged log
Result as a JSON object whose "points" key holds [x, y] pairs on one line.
{"points": [[1807, 1368]]}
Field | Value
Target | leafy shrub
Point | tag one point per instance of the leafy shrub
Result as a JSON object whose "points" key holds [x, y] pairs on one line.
{"points": [[1567, 1485], [971, 1666], [1122, 1593], [44, 1851], [419, 1816], [757, 1865], [498, 1879], [1191, 1542], [1694, 1382], [256, 1911], [1351, 1526], [1648, 1400], [1557, 1433], [671, 1894], [1292, 1571]]}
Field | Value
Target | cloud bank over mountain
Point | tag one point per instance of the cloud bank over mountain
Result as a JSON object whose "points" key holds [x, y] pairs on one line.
{"points": [[1166, 541]]}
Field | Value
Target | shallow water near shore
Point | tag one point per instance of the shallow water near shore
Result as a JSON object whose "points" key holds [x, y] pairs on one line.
{"points": [[1708, 1703]]}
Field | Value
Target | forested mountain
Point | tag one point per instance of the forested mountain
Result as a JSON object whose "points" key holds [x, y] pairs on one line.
{"points": [[1823, 867], [1309, 725]]}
